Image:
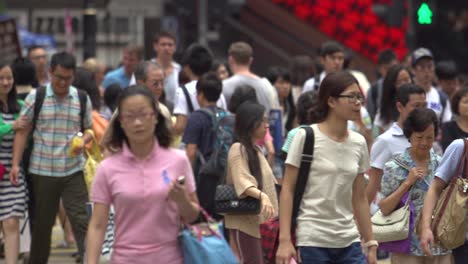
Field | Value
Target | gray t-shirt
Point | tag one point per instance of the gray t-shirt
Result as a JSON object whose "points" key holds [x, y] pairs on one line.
{"points": [[264, 91]]}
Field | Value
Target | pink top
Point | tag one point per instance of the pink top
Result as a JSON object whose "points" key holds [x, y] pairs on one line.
{"points": [[267, 138], [146, 222]]}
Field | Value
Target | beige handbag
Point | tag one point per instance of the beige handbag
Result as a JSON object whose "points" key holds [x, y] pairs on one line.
{"points": [[449, 219], [395, 226]]}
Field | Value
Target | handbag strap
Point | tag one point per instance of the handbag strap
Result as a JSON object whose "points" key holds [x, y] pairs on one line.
{"points": [[303, 175], [405, 166]]}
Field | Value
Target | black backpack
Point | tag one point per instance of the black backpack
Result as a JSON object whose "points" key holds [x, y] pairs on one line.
{"points": [[212, 170]]}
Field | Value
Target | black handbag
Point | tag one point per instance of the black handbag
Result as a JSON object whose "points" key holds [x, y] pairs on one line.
{"points": [[227, 202]]}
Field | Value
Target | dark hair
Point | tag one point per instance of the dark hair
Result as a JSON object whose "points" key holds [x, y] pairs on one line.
{"points": [[162, 131], [446, 70], [64, 59], [12, 101], [243, 93], [301, 69], [84, 80], [330, 47], [210, 86], [34, 47], [332, 86], [241, 52], [455, 102], [111, 95], [216, 64], [306, 108], [419, 120], [386, 56], [198, 59], [388, 110], [24, 71], [273, 74], [406, 90], [163, 34], [248, 117]]}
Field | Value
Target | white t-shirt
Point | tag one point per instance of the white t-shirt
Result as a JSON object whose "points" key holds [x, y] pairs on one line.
{"points": [[310, 83], [181, 107], [390, 143], [434, 103], [325, 217]]}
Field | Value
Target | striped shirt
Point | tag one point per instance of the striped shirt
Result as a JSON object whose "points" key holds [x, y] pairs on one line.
{"points": [[58, 122]]}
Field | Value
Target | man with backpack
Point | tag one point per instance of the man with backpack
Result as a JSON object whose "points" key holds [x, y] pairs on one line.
{"points": [[208, 136], [422, 62], [56, 113], [197, 60]]}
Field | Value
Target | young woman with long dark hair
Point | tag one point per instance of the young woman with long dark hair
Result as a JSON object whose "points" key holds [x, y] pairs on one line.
{"points": [[249, 172]]}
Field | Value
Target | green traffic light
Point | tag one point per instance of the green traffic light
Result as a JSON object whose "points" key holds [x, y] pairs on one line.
{"points": [[424, 14]]}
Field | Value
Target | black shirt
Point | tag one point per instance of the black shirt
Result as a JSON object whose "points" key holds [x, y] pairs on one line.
{"points": [[450, 132]]}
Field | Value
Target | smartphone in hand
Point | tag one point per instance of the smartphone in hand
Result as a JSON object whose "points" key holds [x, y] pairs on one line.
{"points": [[181, 180]]}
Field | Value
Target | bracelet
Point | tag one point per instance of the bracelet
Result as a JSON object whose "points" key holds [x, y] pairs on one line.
{"points": [[370, 243]]}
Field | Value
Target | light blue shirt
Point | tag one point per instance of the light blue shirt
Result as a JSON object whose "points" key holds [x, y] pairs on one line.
{"points": [[116, 76], [450, 160]]}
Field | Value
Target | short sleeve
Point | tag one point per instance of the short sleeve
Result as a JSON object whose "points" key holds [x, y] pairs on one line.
{"points": [[188, 172], [448, 164], [295, 150], [108, 81], [390, 177], [380, 154], [100, 189], [309, 85], [364, 160], [27, 110], [193, 130], [180, 104]]}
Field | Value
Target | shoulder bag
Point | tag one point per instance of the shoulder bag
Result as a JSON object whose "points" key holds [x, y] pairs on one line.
{"points": [[449, 218]]}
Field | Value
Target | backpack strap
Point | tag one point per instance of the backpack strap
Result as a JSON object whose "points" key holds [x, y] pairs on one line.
{"points": [[443, 101], [187, 98], [40, 96], [82, 95], [317, 82], [303, 175]]}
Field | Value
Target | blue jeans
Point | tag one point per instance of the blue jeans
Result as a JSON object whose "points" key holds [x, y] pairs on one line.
{"points": [[348, 255]]}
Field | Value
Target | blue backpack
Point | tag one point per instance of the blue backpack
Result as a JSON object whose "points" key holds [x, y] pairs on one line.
{"points": [[212, 170]]}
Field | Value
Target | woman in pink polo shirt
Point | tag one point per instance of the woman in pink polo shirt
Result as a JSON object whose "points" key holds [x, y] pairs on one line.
{"points": [[139, 180]]}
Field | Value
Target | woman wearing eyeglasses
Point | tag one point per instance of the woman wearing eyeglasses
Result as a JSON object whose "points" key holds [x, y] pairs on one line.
{"points": [[333, 216], [139, 180]]}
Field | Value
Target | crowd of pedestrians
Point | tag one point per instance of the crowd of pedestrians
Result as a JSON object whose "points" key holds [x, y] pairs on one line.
{"points": [[171, 133]]}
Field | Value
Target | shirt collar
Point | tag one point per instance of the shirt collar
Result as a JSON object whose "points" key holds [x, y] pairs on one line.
{"points": [[396, 130], [127, 152], [50, 92]]}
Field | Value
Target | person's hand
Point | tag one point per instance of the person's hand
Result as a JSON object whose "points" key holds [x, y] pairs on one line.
{"points": [[427, 241], [177, 192], [14, 174], [78, 150], [415, 174], [372, 255], [267, 208], [20, 123], [285, 252]]}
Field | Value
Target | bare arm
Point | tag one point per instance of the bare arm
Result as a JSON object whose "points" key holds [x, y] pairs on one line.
{"points": [[286, 249], [362, 216], [375, 178], [388, 204], [19, 143], [191, 150], [181, 122], [96, 231], [187, 203], [433, 194]]}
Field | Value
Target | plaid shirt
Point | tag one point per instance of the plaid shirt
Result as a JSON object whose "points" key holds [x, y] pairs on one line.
{"points": [[58, 122]]}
